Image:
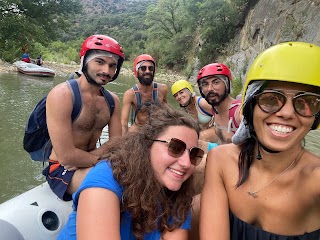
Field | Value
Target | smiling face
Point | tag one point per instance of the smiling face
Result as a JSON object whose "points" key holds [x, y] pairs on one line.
{"points": [[146, 73], [102, 69], [183, 97], [214, 89], [284, 129], [171, 172]]}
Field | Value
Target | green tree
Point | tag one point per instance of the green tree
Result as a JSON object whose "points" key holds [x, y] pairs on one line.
{"points": [[220, 22], [170, 34], [25, 22]]}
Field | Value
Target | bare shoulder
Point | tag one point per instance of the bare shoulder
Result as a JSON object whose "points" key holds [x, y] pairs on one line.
{"points": [[115, 96], [60, 91], [224, 155], [310, 164], [309, 173], [128, 95], [162, 87]]}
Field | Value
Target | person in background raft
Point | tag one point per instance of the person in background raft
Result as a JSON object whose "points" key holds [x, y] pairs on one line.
{"points": [[196, 106], [25, 57], [39, 60], [144, 189], [264, 186], [74, 142], [146, 92]]}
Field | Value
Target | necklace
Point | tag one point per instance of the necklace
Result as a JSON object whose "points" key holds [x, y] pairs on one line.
{"points": [[254, 193]]}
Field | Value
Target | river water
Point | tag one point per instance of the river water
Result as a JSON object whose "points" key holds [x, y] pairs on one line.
{"points": [[18, 95]]}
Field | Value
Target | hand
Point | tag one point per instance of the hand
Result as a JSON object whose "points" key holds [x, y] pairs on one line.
{"points": [[70, 168]]}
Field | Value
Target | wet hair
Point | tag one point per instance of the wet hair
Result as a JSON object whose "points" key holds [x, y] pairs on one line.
{"points": [[150, 205], [247, 148]]}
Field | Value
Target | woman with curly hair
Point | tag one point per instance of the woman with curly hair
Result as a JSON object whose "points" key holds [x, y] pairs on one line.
{"points": [[143, 188]]}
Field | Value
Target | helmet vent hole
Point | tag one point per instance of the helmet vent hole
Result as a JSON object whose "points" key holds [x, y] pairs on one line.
{"points": [[98, 43]]}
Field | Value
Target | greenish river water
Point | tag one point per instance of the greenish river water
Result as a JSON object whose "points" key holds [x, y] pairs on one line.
{"points": [[18, 95]]}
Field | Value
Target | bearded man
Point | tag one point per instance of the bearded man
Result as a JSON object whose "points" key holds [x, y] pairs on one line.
{"points": [[145, 93]]}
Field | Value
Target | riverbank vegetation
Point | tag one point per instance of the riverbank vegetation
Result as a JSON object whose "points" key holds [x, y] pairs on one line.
{"points": [[182, 35]]}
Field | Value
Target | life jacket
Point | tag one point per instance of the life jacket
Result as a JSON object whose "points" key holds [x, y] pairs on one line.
{"points": [[232, 125], [139, 102]]}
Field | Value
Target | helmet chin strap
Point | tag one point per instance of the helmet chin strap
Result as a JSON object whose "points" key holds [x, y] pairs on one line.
{"points": [[185, 106], [258, 157], [89, 79]]}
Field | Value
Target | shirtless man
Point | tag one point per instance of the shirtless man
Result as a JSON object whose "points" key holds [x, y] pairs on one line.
{"points": [[146, 92], [74, 143]]}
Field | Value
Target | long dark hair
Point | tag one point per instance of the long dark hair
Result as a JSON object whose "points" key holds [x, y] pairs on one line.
{"points": [[247, 148], [150, 205]]}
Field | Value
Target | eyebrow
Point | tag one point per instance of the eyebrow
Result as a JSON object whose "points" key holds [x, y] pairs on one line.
{"points": [[101, 59]]}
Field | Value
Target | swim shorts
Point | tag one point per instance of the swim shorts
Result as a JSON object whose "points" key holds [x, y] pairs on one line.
{"points": [[58, 179]]}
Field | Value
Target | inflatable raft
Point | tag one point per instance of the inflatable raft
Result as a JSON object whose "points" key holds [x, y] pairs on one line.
{"points": [[37, 214]]}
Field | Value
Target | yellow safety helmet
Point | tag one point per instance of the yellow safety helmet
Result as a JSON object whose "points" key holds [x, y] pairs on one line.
{"points": [[179, 85], [296, 62]]}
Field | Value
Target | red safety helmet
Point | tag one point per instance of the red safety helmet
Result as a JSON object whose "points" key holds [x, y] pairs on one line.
{"points": [[105, 43], [214, 69], [143, 57]]}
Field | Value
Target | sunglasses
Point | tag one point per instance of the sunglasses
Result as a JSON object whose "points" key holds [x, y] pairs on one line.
{"points": [[305, 104], [144, 68], [176, 148]]}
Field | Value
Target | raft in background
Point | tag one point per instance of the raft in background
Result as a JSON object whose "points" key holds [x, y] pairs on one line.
{"points": [[33, 69], [37, 214]]}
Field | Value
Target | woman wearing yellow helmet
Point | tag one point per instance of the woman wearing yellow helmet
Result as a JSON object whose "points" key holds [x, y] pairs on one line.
{"points": [[198, 108], [253, 188]]}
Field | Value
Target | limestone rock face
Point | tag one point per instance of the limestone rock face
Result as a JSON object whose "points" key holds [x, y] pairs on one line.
{"points": [[271, 22]]}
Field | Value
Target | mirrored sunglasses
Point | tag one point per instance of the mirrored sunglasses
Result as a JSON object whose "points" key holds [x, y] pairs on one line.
{"points": [[176, 148], [305, 104], [144, 68]]}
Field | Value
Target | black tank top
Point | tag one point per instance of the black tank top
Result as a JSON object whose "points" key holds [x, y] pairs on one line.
{"points": [[240, 230]]}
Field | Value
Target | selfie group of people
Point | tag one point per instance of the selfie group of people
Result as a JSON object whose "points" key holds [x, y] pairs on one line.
{"points": [[216, 168]]}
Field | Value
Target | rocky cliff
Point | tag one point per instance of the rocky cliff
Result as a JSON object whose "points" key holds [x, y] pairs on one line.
{"points": [[271, 22]]}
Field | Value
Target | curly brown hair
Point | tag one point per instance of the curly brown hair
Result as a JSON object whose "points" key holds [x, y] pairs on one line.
{"points": [[150, 204]]}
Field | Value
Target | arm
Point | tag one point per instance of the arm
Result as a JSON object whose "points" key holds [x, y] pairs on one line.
{"points": [[214, 212], [177, 234], [164, 92], [98, 215], [204, 105], [209, 135], [126, 104], [238, 115], [58, 109]]}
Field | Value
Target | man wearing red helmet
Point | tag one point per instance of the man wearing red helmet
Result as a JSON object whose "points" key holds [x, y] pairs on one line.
{"points": [[215, 82], [74, 141], [144, 93]]}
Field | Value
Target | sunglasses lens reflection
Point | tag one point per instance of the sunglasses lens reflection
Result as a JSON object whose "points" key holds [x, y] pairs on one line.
{"points": [[144, 68], [306, 104], [271, 102], [177, 147]]}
